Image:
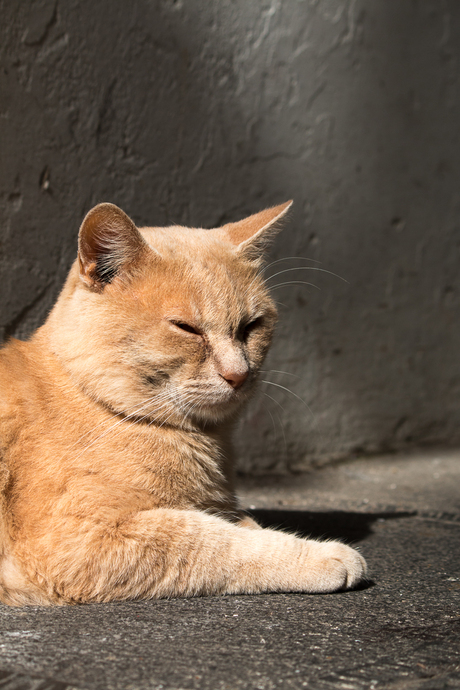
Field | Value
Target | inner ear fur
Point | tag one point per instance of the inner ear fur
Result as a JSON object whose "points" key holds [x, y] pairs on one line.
{"points": [[252, 235], [108, 243]]}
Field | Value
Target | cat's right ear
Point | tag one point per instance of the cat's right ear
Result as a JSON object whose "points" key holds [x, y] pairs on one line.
{"points": [[108, 243], [252, 235]]}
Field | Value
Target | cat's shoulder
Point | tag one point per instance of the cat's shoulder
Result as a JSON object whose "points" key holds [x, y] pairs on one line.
{"points": [[13, 358], [16, 371]]}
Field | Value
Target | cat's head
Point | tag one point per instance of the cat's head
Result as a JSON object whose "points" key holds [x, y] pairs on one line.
{"points": [[166, 323]]}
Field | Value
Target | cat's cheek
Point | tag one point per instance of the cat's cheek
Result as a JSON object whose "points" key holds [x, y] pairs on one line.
{"points": [[257, 351], [193, 349]]}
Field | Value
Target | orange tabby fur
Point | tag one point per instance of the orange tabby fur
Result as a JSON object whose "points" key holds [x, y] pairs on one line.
{"points": [[115, 464]]}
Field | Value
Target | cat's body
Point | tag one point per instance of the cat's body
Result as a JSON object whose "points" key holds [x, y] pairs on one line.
{"points": [[115, 464]]}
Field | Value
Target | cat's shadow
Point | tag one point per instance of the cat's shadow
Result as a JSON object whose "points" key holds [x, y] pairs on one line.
{"points": [[350, 527]]}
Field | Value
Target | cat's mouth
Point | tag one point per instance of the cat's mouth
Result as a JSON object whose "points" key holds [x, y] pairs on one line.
{"points": [[209, 403]]}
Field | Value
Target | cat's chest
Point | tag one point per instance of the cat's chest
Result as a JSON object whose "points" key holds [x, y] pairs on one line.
{"points": [[111, 461], [173, 468]]}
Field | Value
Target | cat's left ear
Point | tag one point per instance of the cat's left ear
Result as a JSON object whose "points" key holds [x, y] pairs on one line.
{"points": [[108, 244], [252, 235]]}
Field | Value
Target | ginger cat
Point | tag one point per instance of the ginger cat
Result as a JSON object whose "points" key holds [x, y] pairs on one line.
{"points": [[115, 464]]}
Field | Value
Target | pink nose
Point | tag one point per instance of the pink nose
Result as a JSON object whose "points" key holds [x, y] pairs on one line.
{"points": [[234, 378]]}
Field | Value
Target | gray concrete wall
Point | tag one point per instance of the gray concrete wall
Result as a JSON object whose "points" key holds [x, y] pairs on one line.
{"points": [[202, 112]]}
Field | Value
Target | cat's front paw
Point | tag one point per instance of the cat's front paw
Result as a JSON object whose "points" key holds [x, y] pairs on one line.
{"points": [[333, 566]]}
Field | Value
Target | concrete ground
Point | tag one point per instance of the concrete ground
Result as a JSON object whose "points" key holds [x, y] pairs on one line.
{"points": [[401, 631]]}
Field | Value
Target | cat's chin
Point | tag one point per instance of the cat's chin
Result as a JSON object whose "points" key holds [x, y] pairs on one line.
{"points": [[215, 413]]}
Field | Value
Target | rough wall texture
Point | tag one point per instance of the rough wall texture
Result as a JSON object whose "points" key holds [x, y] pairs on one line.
{"points": [[202, 112]]}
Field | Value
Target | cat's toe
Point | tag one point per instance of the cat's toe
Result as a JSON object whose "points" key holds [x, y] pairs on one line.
{"points": [[356, 569], [337, 566]]}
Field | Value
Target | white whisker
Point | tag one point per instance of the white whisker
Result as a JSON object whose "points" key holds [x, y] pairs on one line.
{"points": [[278, 385], [289, 258], [279, 418], [277, 371], [306, 268], [273, 421], [284, 434], [273, 399], [119, 421], [293, 282], [164, 396]]}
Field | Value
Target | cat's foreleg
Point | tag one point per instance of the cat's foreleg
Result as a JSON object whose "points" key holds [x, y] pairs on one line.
{"points": [[168, 553]]}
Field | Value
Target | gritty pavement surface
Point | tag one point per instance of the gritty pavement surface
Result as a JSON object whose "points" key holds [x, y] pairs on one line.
{"points": [[400, 631]]}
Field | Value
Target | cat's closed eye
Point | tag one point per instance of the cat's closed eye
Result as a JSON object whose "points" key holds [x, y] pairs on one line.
{"points": [[250, 327], [187, 327]]}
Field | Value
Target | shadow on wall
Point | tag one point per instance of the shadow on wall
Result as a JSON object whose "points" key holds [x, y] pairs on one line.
{"points": [[202, 113]]}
